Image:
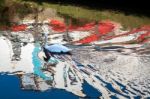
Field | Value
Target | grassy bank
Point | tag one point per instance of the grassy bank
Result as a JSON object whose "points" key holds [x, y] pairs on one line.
{"points": [[128, 21]]}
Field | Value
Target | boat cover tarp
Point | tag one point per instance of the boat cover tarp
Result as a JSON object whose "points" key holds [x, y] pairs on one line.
{"points": [[57, 48]]}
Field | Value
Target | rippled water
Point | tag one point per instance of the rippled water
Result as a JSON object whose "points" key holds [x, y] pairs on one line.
{"points": [[105, 66]]}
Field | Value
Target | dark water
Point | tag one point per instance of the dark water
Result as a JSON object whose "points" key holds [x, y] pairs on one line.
{"points": [[10, 89], [91, 92]]}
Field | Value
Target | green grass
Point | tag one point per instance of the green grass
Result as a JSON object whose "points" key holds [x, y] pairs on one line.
{"points": [[128, 21]]}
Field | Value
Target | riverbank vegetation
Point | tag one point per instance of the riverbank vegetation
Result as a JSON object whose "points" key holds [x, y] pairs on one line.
{"points": [[20, 8]]}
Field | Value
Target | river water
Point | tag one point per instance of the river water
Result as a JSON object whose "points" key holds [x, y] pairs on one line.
{"points": [[104, 65]]}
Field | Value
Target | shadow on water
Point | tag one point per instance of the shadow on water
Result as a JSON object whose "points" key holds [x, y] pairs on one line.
{"points": [[123, 87], [10, 89], [113, 97], [110, 87], [112, 47], [90, 91]]}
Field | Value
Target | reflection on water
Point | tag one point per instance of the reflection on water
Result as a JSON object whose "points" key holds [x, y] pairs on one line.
{"points": [[104, 61], [10, 89]]}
